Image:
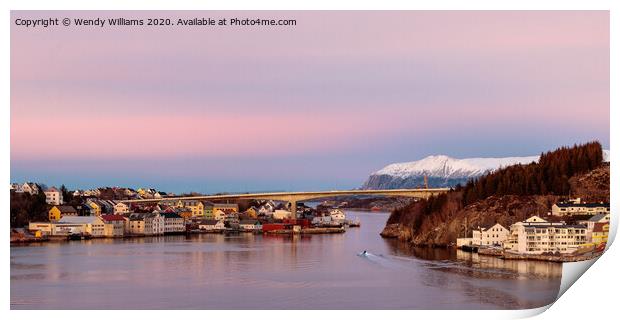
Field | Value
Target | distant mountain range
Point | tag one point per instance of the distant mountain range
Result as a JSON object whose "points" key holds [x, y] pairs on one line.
{"points": [[441, 170]]}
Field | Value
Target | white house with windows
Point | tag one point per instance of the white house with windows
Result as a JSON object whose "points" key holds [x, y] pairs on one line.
{"points": [[53, 196], [121, 208], [536, 235], [212, 225], [250, 225], [493, 236]]}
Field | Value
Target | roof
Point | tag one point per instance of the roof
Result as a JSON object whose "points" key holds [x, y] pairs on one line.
{"points": [[79, 219], [171, 215], [112, 217], [598, 227], [556, 226], [598, 217], [52, 189], [66, 209], [585, 205]]}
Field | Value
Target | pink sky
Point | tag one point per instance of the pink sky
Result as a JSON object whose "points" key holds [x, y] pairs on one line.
{"points": [[351, 90]]}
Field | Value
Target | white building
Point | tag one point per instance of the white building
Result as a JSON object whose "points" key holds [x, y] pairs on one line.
{"points": [[493, 236], [154, 224], [173, 223], [281, 214], [17, 188], [322, 220], [30, 187], [91, 225], [576, 208], [115, 225], [53, 196], [219, 215], [212, 225], [337, 216], [536, 235], [250, 225], [121, 208]]}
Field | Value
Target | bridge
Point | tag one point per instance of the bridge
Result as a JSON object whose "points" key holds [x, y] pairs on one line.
{"points": [[293, 197]]}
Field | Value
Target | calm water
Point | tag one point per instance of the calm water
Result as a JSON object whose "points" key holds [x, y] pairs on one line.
{"points": [[246, 271]]}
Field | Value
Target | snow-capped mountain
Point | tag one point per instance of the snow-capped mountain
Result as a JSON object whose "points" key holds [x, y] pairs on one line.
{"points": [[441, 170]]}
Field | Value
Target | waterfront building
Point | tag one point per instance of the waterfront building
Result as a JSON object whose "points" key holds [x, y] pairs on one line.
{"points": [[219, 215], [53, 196], [196, 207], [212, 225], [115, 225], [250, 225], [337, 216], [226, 207], [173, 223], [207, 212], [45, 228], [57, 212], [492, 236], [536, 235], [281, 214], [322, 220], [600, 233], [460, 242], [121, 208], [91, 225], [576, 207], [590, 223], [154, 223], [136, 224]]}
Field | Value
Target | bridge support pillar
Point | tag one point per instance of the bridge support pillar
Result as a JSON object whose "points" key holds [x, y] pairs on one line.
{"points": [[293, 208]]}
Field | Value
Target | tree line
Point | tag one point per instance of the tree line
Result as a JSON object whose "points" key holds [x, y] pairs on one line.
{"points": [[549, 176]]}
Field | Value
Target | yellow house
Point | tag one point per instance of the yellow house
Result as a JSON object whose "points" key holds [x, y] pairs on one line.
{"points": [[96, 208], [196, 207], [252, 212], [57, 212], [219, 215], [600, 233]]}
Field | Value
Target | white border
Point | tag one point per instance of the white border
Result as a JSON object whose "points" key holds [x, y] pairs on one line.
{"points": [[592, 296]]}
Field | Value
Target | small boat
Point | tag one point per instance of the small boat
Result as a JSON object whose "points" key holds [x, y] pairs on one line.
{"points": [[354, 224]]}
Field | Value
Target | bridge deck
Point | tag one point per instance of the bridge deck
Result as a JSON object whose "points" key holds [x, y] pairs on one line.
{"points": [[305, 195]]}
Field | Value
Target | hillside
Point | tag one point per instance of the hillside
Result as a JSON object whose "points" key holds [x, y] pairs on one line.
{"points": [[439, 221]]}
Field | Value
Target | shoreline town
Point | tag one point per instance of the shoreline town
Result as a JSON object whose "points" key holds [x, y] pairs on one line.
{"points": [[572, 231], [95, 217]]}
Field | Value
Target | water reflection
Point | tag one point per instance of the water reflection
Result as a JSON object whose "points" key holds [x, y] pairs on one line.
{"points": [[475, 265], [248, 271]]}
